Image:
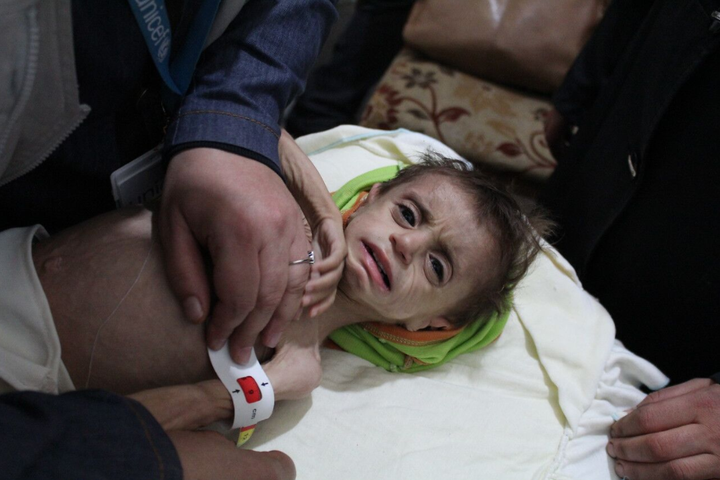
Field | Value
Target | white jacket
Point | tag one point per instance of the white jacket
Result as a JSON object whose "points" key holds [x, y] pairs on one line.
{"points": [[39, 103]]}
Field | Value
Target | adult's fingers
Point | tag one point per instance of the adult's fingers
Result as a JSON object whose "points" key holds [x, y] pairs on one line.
{"points": [[210, 456], [184, 265], [656, 417], [676, 390], [236, 278], [680, 442], [698, 467], [273, 465], [279, 295], [272, 283]]}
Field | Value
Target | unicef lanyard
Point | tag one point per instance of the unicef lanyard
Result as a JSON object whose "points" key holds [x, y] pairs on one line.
{"points": [[154, 24]]}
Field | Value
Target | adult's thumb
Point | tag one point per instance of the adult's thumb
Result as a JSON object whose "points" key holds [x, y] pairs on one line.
{"points": [[272, 465]]}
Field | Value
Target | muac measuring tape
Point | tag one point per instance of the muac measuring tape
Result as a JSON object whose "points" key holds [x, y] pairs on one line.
{"points": [[252, 394]]}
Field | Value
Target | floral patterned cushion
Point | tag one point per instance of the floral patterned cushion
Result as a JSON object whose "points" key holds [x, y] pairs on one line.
{"points": [[488, 124]]}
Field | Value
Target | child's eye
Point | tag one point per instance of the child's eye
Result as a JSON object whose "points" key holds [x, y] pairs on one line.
{"points": [[408, 215], [438, 268]]}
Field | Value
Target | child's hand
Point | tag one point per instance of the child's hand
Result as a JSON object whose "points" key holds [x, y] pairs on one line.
{"points": [[330, 252]]}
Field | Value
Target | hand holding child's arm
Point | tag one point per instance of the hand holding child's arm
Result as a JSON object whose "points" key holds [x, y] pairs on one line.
{"points": [[188, 407], [205, 454]]}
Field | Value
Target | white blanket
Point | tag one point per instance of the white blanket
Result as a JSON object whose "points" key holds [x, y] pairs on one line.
{"points": [[536, 404]]}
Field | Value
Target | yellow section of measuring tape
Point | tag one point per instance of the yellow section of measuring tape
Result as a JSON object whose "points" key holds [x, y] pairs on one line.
{"points": [[245, 434]]}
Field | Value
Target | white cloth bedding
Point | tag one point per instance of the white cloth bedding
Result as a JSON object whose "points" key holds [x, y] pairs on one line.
{"points": [[536, 404]]}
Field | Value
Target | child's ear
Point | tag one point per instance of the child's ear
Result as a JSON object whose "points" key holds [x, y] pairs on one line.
{"points": [[374, 192], [440, 323]]}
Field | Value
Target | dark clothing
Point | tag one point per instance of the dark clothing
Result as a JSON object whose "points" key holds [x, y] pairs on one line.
{"points": [[82, 435], [361, 55], [636, 195], [241, 86]]}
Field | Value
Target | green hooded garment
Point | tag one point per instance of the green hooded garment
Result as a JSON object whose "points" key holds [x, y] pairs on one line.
{"points": [[393, 352]]}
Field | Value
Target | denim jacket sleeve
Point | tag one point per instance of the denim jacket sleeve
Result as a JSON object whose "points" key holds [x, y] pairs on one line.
{"points": [[84, 434], [246, 78]]}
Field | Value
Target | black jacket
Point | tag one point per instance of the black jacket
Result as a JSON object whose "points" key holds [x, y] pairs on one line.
{"points": [[636, 195], [89, 434]]}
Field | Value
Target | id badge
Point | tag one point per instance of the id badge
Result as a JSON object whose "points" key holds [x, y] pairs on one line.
{"points": [[140, 181]]}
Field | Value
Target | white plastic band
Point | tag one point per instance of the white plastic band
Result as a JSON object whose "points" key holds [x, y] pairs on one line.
{"points": [[252, 395]]}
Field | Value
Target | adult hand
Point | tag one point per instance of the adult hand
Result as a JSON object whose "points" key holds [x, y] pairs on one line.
{"points": [[557, 133], [673, 434], [210, 456], [206, 455], [241, 213], [188, 407]]}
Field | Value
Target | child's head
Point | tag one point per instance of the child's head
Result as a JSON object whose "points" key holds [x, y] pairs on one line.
{"points": [[439, 245]]}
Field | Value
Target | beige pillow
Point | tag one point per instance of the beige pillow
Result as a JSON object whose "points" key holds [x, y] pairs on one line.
{"points": [[490, 125]]}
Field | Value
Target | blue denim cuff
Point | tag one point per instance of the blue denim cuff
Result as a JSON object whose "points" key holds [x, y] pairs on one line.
{"points": [[222, 127]]}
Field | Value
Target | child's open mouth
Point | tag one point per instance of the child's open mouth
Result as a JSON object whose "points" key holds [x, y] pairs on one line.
{"points": [[380, 268]]}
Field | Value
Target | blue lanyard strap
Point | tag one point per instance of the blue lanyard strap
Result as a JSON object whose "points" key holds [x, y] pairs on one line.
{"points": [[154, 24]]}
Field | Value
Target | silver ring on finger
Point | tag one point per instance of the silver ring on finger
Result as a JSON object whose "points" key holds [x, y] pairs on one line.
{"points": [[310, 259]]}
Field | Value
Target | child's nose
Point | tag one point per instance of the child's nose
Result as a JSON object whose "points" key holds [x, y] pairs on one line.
{"points": [[407, 244]]}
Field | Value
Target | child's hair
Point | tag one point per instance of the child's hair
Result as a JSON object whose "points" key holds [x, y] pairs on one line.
{"points": [[517, 235]]}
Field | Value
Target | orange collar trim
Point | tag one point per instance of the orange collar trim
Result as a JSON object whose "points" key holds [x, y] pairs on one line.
{"points": [[403, 336]]}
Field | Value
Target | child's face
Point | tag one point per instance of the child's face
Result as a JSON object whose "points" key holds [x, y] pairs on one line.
{"points": [[415, 252]]}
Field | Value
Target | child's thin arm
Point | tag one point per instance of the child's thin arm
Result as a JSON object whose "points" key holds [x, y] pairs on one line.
{"points": [[309, 190]]}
